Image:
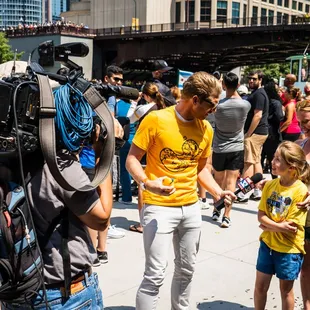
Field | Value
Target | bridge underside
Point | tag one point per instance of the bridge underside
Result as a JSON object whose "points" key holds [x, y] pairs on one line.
{"points": [[210, 49]]}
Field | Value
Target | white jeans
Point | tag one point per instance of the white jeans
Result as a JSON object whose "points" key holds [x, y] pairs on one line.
{"points": [[161, 225]]}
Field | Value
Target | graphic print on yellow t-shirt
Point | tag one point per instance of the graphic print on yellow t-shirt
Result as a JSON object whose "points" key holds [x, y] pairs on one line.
{"points": [[280, 204], [174, 148]]}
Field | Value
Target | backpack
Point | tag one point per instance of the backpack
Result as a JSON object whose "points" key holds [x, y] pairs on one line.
{"points": [[21, 267]]}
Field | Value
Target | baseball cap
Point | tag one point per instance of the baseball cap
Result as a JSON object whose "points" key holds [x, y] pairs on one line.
{"points": [[242, 90], [160, 65]]}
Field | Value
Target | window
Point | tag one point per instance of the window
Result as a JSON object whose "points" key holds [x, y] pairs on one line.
{"points": [[286, 3], [307, 8], [178, 12], [254, 15], [235, 13], [263, 16], [294, 5], [285, 19], [205, 11], [279, 18], [190, 11], [221, 11], [300, 6], [245, 8], [280, 2], [271, 1], [270, 17]]}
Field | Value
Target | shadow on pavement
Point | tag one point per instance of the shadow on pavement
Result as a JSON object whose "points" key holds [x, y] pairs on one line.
{"points": [[122, 206], [207, 218], [234, 208], [122, 222], [120, 308], [221, 305]]}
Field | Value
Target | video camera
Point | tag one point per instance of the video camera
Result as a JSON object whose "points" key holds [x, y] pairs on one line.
{"points": [[20, 97]]}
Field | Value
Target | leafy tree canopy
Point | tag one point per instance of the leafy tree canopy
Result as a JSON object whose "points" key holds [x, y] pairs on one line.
{"points": [[6, 53], [271, 71]]}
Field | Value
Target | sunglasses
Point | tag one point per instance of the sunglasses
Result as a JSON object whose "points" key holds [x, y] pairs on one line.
{"points": [[250, 78], [211, 103], [116, 79]]}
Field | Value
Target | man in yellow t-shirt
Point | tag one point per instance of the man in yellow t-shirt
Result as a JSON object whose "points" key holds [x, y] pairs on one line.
{"points": [[177, 142]]}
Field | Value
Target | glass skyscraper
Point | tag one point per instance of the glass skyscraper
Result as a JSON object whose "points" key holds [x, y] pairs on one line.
{"points": [[14, 12]]}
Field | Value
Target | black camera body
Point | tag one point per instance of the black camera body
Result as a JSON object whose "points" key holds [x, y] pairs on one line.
{"points": [[20, 97], [24, 93]]}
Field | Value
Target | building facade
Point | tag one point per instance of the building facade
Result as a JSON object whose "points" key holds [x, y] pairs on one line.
{"points": [[98, 14], [14, 12]]}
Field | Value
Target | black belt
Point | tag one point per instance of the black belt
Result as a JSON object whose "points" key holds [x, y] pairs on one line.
{"points": [[77, 278]]}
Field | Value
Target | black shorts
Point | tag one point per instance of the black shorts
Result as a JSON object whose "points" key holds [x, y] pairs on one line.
{"points": [[228, 161]]}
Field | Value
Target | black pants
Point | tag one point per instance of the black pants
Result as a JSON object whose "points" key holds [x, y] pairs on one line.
{"points": [[269, 148], [290, 136]]}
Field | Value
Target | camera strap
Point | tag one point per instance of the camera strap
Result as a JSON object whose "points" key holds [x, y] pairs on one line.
{"points": [[47, 135]]}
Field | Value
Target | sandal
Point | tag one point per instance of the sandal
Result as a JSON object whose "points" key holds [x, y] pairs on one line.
{"points": [[136, 228]]}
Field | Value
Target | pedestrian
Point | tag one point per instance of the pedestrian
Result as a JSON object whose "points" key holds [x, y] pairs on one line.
{"points": [[282, 241], [177, 142]]}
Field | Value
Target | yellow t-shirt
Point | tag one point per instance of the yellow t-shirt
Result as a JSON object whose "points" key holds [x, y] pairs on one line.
{"points": [[279, 204], [173, 148]]}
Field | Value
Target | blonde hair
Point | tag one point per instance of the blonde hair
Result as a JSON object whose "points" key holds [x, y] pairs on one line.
{"points": [[151, 89], [201, 84], [295, 157], [176, 93], [303, 105]]}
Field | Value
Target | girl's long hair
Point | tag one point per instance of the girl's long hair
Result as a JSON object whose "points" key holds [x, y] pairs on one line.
{"points": [[295, 157]]}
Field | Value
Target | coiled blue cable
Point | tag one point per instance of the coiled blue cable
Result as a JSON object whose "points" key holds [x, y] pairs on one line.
{"points": [[74, 119]]}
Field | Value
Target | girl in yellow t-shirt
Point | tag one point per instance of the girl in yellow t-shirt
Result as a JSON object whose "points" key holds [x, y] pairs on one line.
{"points": [[282, 241]]}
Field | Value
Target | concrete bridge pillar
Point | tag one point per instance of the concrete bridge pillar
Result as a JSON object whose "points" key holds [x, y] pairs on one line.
{"points": [[182, 11], [197, 13]]}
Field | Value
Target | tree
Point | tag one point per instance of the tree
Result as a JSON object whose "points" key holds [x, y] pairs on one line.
{"points": [[6, 53], [271, 71]]}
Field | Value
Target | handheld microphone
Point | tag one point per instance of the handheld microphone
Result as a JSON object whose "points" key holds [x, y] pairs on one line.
{"points": [[244, 186]]}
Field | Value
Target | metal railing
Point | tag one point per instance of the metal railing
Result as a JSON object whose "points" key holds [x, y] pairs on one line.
{"points": [[160, 28]]}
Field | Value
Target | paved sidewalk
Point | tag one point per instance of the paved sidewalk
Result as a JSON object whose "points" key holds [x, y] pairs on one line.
{"points": [[225, 271]]}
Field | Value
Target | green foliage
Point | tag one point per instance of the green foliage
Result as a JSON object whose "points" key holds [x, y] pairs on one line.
{"points": [[6, 53], [271, 71]]}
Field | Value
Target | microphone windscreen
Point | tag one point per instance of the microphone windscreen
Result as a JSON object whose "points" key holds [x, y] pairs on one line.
{"points": [[257, 177]]}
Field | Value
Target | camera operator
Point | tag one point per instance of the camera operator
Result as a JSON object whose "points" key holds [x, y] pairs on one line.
{"points": [[85, 209]]}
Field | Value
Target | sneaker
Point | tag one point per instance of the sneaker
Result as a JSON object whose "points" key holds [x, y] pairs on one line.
{"points": [[125, 202], [114, 233], [103, 257], [241, 198], [204, 205], [216, 215], [96, 262], [257, 195], [225, 222], [255, 198]]}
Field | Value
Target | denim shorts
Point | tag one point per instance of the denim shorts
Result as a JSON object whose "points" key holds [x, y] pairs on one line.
{"points": [[89, 298], [284, 265]]}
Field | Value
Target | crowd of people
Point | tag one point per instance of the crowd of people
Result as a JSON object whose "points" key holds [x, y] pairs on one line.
{"points": [[58, 27], [255, 130], [179, 145]]}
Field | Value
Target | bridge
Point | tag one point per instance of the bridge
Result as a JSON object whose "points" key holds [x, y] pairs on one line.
{"points": [[222, 47], [192, 47]]}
